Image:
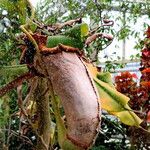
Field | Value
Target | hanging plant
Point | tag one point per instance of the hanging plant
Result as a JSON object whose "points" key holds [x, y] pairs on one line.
{"points": [[58, 69]]}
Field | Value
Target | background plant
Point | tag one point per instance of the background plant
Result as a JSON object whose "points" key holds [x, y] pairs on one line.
{"points": [[139, 95]]}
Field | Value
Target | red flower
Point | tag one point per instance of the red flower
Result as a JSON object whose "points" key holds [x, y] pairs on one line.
{"points": [[134, 76], [146, 53], [148, 117], [148, 32], [146, 84], [146, 70], [125, 76]]}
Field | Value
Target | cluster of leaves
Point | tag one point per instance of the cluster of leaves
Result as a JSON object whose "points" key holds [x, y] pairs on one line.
{"points": [[145, 70], [126, 84], [139, 95], [90, 11], [139, 102], [12, 16]]}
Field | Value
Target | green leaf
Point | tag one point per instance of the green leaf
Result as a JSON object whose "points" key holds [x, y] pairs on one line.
{"points": [[54, 41], [116, 103], [106, 77], [78, 31], [128, 117], [12, 71], [33, 27], [1, 102], [112, 100]]}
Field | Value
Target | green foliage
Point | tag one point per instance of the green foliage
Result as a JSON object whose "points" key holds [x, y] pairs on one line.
{"points": [[12, 71], [78, 31], [112, 135], [4, 110], [13, 14], [13, 7], [71, 37], [93, 12], [111, 67], [53, 41], [64, 10]]}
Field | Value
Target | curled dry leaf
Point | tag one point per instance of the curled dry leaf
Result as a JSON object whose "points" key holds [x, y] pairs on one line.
{"points": [[108, 22], [97, 35], [68, 23]]}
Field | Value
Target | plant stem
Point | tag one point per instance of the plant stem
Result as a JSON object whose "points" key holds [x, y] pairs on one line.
{"points": [[24, 27]]}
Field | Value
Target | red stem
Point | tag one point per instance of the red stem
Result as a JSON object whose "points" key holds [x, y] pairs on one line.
{"points": [[16, 82]]}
